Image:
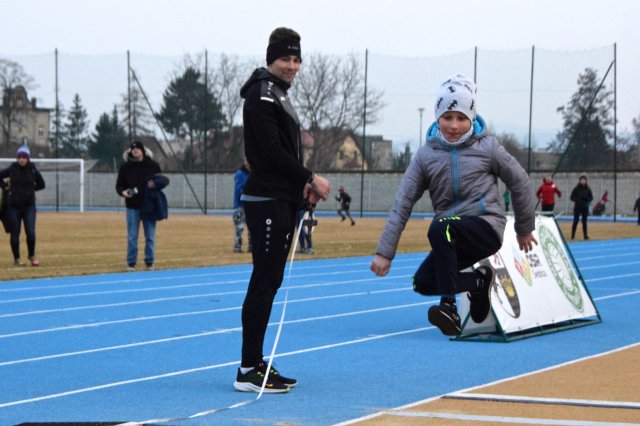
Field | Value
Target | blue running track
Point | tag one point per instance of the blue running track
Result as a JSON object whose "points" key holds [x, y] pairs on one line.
{"points": [[148, 345]]}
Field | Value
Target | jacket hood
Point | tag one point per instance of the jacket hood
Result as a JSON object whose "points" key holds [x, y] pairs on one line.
{"points": [[261, 74], [479, 129], [126, 155]]}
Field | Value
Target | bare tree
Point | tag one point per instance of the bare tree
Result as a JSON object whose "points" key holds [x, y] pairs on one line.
{"points": [[135, 114], [329, 95], [12, 76]]}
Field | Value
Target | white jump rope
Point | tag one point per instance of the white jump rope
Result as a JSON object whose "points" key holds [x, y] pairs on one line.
{"points": [[307, 220]]}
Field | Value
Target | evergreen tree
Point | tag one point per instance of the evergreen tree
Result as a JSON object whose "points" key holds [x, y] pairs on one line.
{"points": [[108, 141], [188, 107], [76, 139], [57, 132], [588, 129]]}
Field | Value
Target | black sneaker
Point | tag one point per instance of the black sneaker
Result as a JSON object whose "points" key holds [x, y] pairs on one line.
{"points": [[481, 298], [252, 382], [288, 382], [446, 318]]}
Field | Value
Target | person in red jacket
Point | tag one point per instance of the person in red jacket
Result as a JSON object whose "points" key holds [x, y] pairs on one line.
{"points": [[546, 194]]}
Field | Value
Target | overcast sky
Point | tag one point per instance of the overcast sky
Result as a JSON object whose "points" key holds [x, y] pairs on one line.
{"points": [[411, 28]]}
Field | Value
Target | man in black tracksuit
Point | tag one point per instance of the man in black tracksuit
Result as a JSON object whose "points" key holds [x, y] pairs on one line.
{"points": [[271, 196]]}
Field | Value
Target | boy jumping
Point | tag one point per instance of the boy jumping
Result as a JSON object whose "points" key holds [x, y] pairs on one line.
{"points": [[459, 166]]}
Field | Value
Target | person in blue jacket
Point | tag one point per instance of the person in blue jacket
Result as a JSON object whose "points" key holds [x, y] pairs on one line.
{"points": [[239, 218]]}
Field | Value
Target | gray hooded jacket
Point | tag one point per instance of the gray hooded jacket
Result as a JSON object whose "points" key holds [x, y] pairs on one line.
{"points": [[462, 181]]}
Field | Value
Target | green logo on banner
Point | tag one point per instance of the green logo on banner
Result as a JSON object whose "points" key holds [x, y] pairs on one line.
{"points": [[560, 267]]}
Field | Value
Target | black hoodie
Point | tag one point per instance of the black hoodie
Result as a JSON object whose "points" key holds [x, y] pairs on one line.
{"points": [[272, 141]]}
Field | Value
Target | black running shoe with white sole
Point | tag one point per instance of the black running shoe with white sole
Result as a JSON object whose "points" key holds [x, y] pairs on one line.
{"points": [[252, 381], [481, 298], [288, 382], [446, 318]]}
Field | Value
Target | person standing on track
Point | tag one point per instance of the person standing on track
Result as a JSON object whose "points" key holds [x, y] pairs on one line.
{"points": [[581, 197], [459, 166], [275, 189]]}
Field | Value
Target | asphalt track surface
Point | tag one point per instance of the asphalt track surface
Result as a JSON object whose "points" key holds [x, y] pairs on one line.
{"points": [[166, 344]]}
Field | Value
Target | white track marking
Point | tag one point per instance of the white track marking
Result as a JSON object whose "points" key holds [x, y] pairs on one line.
{"points": [[537, 400], [210, 333], [496, 382], [205, 368], [499, 419], [193, 296]]}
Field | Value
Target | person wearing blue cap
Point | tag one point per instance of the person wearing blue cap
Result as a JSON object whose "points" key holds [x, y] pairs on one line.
{"points": [[24, 180]]}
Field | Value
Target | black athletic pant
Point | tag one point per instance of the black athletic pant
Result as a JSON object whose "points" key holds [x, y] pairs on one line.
{"points": [[271, 226], [457, 242], [577, 213]]}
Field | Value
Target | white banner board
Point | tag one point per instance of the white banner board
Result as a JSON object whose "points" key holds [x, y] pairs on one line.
{"points": [[533, 290]]}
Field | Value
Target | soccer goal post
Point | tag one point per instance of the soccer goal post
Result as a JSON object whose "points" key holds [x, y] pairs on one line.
{"points": [[64, 178]]}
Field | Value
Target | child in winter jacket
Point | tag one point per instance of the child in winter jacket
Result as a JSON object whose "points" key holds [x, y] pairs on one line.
{"points": [[459, 165]]}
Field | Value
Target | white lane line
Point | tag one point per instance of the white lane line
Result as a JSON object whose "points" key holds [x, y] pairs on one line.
{"points": [[608, 255], [537, 400], [195, 296], [180, 286], [190, 313], [208, 367], [499, 419], [495, 382], [614, 296], [612, 277], [210, 311], [210, 333], [168, 275], [608, 265]]}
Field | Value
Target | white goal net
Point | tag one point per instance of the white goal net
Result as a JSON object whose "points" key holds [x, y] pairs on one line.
{"points": [[64, 179]]}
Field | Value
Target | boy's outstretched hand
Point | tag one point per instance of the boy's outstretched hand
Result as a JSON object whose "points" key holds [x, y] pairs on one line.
{"points": [[380, 265], [525, 242]]}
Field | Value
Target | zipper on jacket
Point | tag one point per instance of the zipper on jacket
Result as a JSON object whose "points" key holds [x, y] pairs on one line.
{"points": [[455, 175]]}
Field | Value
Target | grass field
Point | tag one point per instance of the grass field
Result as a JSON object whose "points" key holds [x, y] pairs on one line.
{"points": [[92, 243]]}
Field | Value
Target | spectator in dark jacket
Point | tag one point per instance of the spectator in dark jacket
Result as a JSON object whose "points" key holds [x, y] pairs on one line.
{"points": [[24, 181], [134, 179], [582, 197], [636, 207]]}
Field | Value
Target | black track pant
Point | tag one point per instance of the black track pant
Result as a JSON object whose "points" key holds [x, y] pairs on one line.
{"points": [[271, 226], [457, 242]]}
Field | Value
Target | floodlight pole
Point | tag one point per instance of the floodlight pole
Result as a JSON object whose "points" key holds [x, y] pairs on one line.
{"points": [[129, 95], [530, 109], [420, 111], [57, 133], [615, 133], [364, 131], [206, 101]]}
